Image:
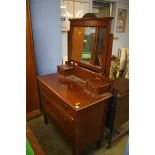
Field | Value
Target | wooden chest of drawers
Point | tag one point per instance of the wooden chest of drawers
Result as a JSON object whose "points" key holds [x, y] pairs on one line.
{"points": [[78, 116]]}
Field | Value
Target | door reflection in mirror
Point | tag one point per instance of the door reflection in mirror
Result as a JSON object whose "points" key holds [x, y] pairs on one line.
{"points": [[100, 46]]}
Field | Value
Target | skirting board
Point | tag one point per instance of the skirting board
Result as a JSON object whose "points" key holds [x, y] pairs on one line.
{"points": [[33, 141]]}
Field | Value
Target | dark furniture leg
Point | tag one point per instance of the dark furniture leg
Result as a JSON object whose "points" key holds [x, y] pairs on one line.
{"points": [[98, 144], [109, 139], [110, 118], [75, 151], [45, 119]]}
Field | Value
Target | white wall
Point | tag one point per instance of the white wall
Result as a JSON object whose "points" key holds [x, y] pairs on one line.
{"points": [[123, 38]]}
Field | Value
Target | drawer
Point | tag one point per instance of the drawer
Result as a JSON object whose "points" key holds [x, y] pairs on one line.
{"points": [[61, 120], [45, 92], [59, 102]]}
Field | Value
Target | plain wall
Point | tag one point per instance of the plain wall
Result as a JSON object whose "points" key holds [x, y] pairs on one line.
{"points": [[123, 38], [64, 37], [45, 16]]}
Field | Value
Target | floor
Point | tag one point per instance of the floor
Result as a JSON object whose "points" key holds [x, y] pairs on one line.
{"points": [[53, 144]]}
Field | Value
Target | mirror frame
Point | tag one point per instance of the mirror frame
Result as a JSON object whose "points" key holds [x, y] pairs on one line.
{"points": [[93, 22]]}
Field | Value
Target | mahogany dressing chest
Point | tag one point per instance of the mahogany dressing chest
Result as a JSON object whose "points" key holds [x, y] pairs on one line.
{"points": [[75, 99]]}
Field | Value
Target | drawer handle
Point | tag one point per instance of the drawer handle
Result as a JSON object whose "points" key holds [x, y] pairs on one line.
{"points": [[43, 90], [65, 106]]}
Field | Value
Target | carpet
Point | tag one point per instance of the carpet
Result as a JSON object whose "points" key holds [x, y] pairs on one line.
{"points": [[53, 143]]}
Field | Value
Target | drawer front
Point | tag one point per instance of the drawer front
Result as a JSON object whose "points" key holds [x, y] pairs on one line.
{"points": [[45, 92], [61, 120]]}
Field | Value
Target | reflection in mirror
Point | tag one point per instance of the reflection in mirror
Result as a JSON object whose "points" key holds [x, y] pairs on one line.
{"points": [[88, 45], [100, 47], [83, 43]]}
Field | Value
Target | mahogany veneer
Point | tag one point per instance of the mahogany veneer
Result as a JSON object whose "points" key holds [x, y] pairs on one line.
{"points": [[76, 98], [78, 113]]}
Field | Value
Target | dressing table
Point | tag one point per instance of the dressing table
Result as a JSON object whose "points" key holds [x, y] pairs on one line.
{"points": [[75, 99]]}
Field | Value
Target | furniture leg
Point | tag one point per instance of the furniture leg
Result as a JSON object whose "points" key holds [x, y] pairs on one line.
{"points": [[98, 144], [75, 151], [109, 139], [45, 119]]}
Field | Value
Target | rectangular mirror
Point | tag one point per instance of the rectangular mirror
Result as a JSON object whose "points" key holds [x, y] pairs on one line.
{"points": [[83, 38], [88, 45]]}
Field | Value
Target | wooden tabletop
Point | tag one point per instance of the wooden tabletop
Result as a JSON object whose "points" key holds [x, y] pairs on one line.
{"points": [[71, 92]]}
